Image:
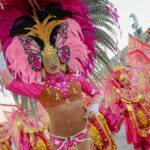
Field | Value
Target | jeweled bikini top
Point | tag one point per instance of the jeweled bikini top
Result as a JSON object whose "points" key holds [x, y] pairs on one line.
{"points": [[61, 88]]}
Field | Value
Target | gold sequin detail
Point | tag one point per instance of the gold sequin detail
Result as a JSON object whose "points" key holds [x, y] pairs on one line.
{"points": [[75, 91], [68, 102], [40, 145], [142, 117], [57, 97]]}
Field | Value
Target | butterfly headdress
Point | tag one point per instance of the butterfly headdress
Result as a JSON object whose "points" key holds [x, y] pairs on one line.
{"points": [[78, 31]]}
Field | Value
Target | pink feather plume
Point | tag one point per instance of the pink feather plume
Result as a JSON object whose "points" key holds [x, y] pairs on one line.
{"points": [[78, 50], [19, 62]]}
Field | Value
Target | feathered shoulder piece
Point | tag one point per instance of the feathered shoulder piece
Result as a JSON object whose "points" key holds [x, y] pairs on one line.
{"points": [[84, 32]]}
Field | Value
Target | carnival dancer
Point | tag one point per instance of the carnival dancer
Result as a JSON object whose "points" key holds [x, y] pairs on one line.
{"points": [[50, 50], [128, 90], [128, 102], [25, 131]]}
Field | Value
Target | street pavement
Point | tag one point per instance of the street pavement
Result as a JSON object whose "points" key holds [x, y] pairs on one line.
{"points": [[120, 140]]}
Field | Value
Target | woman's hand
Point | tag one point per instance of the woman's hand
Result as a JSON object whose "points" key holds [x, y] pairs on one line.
{"points": [[4, 72], [89, 114]]}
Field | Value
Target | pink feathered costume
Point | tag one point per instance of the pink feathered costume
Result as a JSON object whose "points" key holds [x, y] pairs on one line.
{"points": [[63, 36], [127, 94]]}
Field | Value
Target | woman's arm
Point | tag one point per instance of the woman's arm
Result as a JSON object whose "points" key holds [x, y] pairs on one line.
{"points": [[29, 90], [87, 87], [25, 89], [91, 91], [4, 73]]}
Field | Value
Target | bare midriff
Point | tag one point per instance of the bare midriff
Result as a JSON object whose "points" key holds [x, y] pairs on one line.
{"points": [[66, 115], [67, 120]]}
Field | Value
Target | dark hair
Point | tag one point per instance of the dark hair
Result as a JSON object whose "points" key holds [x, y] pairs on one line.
{"points": [[67, 69], [53, 9]]}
